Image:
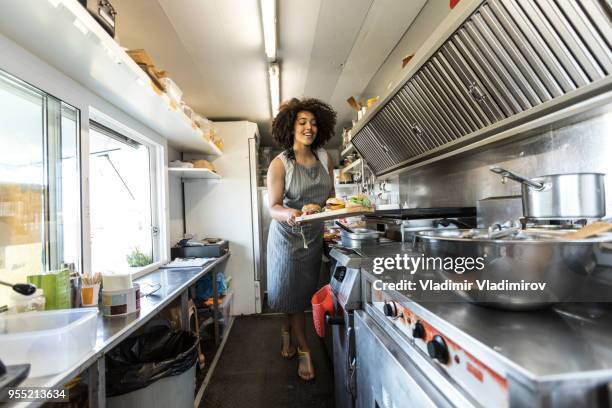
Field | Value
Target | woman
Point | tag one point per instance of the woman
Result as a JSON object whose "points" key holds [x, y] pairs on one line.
{"points": [[301, 174]]}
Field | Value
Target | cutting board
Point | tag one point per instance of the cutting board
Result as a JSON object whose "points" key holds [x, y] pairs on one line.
{"points": [[334, 214]]}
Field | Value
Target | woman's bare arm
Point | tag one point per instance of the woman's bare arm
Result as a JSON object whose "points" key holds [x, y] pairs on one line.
{"points": [[276, 188]]}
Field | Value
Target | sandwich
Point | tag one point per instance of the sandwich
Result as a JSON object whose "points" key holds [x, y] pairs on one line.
{"points": [[359, 200], [334, 203], [310, 209]]}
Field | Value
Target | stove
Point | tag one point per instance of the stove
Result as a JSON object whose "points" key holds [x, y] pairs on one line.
{"points": [[430, 353]]}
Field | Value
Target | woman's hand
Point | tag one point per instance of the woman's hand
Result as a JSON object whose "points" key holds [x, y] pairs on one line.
{"points": [[292, 213]]}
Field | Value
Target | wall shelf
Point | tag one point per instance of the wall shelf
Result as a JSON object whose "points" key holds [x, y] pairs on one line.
{"points": [[347, 150], [193, 174], [347, 185], [352, 167], [86, 53]]}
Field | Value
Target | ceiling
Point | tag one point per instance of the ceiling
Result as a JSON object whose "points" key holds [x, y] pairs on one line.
{"points": [[213, 50]]}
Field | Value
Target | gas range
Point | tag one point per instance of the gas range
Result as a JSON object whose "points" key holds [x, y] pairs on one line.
{"points": [[470, 355]]}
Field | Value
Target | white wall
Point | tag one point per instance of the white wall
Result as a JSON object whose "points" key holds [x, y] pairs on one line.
{"points": [[20, 63], [175, 194], [222, 209]]}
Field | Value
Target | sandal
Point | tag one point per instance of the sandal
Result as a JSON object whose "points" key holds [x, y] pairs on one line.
{"points": [[288, 350], [305, 368]]}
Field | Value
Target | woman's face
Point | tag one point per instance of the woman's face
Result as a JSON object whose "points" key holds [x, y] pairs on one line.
{"points": [[305, 128]]}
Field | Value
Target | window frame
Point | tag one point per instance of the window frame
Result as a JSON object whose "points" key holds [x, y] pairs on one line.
{"points": [[51, 118], [157, 193]]}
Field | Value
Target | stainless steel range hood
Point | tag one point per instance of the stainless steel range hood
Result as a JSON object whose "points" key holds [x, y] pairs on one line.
{"points": [[509, 63]]}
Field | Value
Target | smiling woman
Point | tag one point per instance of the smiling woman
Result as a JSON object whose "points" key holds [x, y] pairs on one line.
{"points": [[298, 177]]}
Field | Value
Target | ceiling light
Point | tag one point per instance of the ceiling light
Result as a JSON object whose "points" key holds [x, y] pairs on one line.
{"points": [[268, 17], [274, 74], [55, 3]]}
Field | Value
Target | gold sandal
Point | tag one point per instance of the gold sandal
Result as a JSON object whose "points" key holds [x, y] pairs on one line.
{"points": [[305, 360], [286, 346]]}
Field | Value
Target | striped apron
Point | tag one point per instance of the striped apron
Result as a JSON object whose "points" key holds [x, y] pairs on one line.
{"points": [[293, 270]]}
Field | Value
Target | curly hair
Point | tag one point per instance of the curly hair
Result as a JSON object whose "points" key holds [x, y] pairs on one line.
{"points": [[283, 123]]}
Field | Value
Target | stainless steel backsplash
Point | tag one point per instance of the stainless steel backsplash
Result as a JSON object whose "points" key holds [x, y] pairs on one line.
{"points": [[462, 180]]}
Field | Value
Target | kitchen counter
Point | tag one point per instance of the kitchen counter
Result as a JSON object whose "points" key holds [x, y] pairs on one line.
{"points": [[111, 331], [564, 340]]}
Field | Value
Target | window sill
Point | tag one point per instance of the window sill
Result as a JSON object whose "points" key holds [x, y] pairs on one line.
{"points": [[139, 272]]}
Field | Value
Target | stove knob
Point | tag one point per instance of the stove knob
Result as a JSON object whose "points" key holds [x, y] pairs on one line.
{"points": [[419, 330], [390, 309], [438, 349]]}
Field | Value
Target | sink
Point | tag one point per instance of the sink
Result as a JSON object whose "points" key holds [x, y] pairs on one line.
{"points": [[51, 341]]}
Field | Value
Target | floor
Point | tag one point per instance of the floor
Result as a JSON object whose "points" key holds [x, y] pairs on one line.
{"points": [[251, 373]]}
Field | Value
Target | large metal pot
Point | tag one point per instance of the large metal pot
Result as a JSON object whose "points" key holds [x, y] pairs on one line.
{"points": [[561, 196], [529, 256], [359, 237]]}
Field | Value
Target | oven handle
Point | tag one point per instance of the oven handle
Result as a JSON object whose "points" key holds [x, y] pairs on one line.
{"points": [[334, 320]]}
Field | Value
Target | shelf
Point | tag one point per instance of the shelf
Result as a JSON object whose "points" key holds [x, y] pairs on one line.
{"points": [[347, 185], [351, 166], [346, 151], [191, 173], [86, 53]]}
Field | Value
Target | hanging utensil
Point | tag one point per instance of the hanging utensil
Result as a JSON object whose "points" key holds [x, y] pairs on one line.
{"points": [[344, 227], [25, 289]]}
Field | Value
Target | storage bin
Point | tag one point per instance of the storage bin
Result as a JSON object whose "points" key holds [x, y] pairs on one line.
{"points": [[51, 341], [172, 89]]}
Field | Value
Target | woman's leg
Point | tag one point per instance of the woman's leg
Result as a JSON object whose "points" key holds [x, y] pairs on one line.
{"points": [[287, 348], [298, 326]]}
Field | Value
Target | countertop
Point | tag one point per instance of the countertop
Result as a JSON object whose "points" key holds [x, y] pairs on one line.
{"points": [[567, 339], [111, 331]]}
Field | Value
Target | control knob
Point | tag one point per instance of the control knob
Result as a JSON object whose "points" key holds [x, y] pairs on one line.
{"points": [[419, 330], [390, 309], [438, 350]]}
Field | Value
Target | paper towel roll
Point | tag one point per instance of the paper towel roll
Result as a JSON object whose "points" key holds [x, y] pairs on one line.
{"points": [[116, 281]]}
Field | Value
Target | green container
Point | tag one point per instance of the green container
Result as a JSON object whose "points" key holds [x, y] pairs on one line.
{"points": [[56, 287]]}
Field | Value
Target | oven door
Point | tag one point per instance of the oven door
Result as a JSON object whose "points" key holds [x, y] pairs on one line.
{"points": [[388, 377], [344, 362]]}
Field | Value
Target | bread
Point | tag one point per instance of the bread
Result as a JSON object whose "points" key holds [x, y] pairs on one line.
{"points": [[310, 209], [334, 203]]}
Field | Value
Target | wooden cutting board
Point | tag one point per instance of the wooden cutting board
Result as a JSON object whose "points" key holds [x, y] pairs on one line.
{"points": [[592, 229], [334, 214]]}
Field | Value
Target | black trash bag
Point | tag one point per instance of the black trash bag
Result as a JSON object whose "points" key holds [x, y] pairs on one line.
{"points": [[140, 361]]}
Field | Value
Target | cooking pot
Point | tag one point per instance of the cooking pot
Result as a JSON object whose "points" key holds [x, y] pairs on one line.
{"points": [[530, 256], [359, 237], [560, 196]]}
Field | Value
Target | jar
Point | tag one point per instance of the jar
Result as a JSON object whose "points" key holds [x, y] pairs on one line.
{"points": [[19, 303]]}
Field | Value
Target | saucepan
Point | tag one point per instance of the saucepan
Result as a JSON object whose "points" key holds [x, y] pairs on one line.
{"points": [[359, 237], [560, 196], [524, 256]]}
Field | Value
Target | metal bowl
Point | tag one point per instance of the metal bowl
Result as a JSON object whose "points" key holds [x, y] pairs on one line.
{"points": [[359, 236], [530, 256]]}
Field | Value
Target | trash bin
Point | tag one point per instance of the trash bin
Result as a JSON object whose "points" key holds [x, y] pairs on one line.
{"points": [[155, 369]]}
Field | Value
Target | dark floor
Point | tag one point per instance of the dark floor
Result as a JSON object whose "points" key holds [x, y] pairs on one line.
{"points": [[251, 373]]}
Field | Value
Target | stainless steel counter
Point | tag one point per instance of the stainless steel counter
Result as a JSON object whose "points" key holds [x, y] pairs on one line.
{"points": [[111, 331], [567, 339]]}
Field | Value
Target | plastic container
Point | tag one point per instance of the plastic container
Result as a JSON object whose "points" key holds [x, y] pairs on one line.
{"points": [[52, 341], [322, 304], [172, 89], [19, 303], [121, 302]]}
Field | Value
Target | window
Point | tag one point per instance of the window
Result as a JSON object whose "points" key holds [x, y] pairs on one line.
{"points": [[39, 182], [123, 210]]}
